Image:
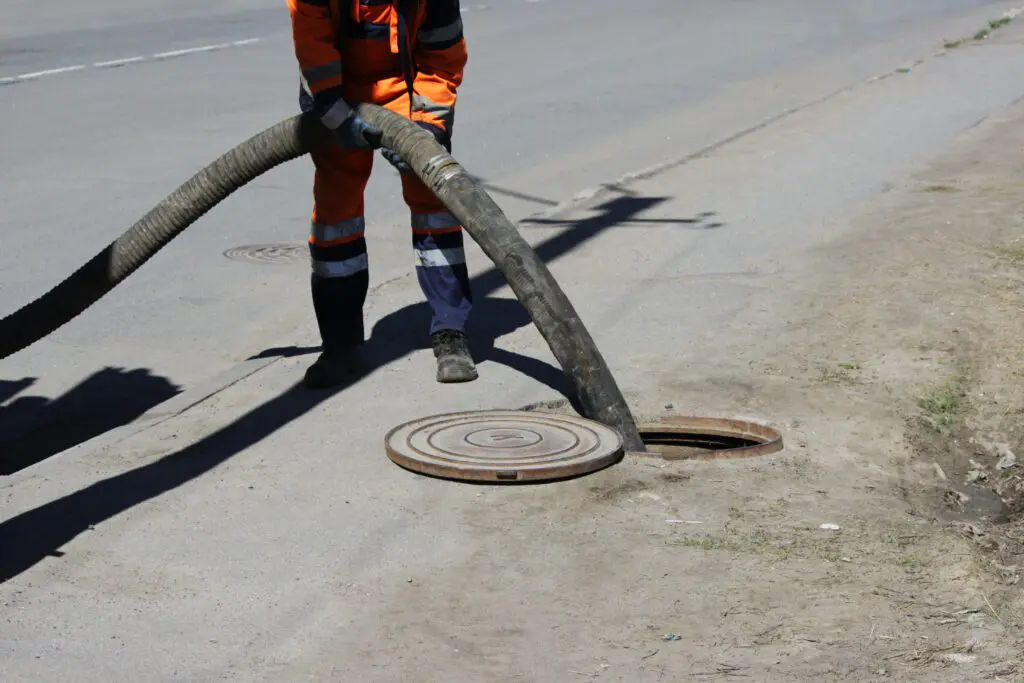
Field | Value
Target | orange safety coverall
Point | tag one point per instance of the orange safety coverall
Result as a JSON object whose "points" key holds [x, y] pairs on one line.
{"points": [[407, 56]]}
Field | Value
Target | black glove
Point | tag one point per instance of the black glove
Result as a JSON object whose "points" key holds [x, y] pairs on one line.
{"points": [[395, 160], [355, 133], [443, 137], [348, 129]]}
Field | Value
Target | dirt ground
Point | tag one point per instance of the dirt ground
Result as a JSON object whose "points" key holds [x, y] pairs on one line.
{"points": [[894, 368]]}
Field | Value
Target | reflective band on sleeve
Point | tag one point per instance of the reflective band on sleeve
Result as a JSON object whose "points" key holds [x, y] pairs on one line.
{"points": [[429, 106], [442, 34], [434, 221], [347, 229], [315, 74], [337, 114], [436, 258], [344, 268]]}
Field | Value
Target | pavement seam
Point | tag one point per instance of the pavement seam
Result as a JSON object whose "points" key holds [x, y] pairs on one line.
{"points": [[603, 190]]}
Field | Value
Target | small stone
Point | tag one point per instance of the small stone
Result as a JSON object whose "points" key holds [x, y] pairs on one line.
{"points": [[1008, 460]]}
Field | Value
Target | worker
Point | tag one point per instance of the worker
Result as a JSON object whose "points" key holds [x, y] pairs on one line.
{"points": [[407, 56]]}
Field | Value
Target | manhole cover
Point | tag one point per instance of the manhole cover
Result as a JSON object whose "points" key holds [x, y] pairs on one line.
{"points": [[503, 445], [269, 253], [708, 438]]}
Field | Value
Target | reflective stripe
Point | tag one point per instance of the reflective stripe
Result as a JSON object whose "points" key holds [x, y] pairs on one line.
{"points": [[337, 114], [316, 74], [344, 268], [434, 221], [436, 258], [442, 34], [429, 106], [332, 232]]}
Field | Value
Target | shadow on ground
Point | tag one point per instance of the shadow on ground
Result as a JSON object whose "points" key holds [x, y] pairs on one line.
{"points": [[36, 534], [33, 428]]}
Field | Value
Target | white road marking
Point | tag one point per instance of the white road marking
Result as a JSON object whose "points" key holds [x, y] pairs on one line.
{"points": [[160, 56], [112, 63], [191, 50], [51, 72], [117, 62]]}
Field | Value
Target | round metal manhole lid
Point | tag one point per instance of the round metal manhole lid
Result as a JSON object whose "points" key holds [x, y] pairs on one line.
{"points": [[269, 254], [503, 446]]}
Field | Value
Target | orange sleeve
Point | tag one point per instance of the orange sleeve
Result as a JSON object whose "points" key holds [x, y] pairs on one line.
{"points": [[441, 57], [316, 49]]}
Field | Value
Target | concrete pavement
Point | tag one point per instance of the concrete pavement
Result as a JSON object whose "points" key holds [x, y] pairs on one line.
{"points": [[96, 147], [264, 533]]}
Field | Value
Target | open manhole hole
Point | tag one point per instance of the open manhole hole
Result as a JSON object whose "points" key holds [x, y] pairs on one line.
{"points": [[708, 438], [270, 254], [503, 446]]}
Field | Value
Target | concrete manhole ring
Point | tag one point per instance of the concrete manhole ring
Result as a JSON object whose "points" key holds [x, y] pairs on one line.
{"points": [[270, 254], [675, 437], [503, 446]]}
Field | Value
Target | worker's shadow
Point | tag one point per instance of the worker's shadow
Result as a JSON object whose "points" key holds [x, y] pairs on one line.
{"points": [[33, 428], [35, 534], [40, 532]]}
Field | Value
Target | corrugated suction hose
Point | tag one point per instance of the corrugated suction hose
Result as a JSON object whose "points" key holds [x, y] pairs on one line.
{"points": [[527, 276]]}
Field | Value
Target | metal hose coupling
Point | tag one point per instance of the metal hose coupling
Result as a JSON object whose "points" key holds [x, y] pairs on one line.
{"points": [[441, 168]]}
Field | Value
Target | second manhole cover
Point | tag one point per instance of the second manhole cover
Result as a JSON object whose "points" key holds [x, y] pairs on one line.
{"points": [[270, 254], [503, 445]]}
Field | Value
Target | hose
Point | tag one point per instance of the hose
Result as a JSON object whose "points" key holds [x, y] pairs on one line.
{"points": [[527, 276]]}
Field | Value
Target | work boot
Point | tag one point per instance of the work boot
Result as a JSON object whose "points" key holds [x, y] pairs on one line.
{"points": [[333, 367], [454, 362]]}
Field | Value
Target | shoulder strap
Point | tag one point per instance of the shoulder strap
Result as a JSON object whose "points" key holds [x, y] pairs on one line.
{"points": [[405, 12]]}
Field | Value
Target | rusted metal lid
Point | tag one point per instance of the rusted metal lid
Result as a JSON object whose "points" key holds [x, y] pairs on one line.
{"points": [[503, 446]]}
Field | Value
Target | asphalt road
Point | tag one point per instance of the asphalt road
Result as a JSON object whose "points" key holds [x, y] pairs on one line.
{"points": [[108, 106], [262, 535]]}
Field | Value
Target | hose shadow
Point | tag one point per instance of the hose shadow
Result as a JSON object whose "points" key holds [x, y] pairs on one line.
{"points": [[498, 189], [39, 533], [35, 534], [34, 428], [613, 213]]}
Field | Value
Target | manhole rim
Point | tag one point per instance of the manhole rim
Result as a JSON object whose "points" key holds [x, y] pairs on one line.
{"points": [[527, 472], [768, 440]]}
